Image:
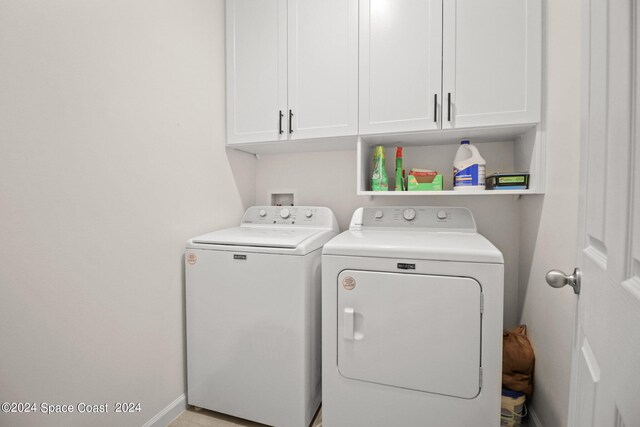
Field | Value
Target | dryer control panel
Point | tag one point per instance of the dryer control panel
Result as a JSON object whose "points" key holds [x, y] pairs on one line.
{"points": [[431, 218]]}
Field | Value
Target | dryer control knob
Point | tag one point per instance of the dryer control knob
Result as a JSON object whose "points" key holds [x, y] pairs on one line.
{"points": [[308, 213], [284, 213], [442, 215], [409, 214], [262, 213], [378, 214]]}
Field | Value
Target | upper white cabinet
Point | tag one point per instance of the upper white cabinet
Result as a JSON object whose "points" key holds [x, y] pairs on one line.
{"points": [[400, 65], [256, 69], [292, 69], [323, 68], [443, 64], [491, 62]]}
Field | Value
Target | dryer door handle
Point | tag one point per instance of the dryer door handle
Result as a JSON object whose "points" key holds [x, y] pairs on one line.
{"points": [[348, 323]]}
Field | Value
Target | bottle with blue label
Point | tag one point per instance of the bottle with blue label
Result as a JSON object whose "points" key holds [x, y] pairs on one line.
{"points": [[469, 168]]}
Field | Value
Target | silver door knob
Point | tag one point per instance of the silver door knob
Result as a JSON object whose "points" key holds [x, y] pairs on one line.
{"points": [[557, 279]]}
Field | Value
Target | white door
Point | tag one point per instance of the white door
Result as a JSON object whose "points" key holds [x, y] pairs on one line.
{"points": [[400, 65], [606, 365], [323, 68], [256, 37], [491, 62]]}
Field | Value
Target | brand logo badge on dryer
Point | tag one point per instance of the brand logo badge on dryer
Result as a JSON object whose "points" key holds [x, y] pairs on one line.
{"points": [[236, 256], [348, 283], [404, 266], [192, 258]]}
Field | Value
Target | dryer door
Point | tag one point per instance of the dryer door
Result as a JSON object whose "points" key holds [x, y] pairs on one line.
{"points": [[413, 331]]}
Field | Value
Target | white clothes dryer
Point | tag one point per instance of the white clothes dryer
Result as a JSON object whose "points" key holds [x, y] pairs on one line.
{"points": [[253, 315], [412, 302]]}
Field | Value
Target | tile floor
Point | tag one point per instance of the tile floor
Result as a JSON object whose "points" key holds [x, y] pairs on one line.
{"points": [[204, 418]]}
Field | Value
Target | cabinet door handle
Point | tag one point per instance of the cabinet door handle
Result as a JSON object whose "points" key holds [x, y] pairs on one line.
{"points": [[290, 121], [435, 108], [280, 123], [449, 106]]}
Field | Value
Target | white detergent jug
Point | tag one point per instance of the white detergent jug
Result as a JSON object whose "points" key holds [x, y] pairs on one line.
{"points": [[469, 168]]}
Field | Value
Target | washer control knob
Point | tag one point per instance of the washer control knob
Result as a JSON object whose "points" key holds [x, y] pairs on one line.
{"points": [[285, 213], [442, 215], [409, 214], [378, 214], [308, 213], [262, 213]]}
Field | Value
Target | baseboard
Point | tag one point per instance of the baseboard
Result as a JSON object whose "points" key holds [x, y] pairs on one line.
{"points": [[169, 413], [534, 420]]}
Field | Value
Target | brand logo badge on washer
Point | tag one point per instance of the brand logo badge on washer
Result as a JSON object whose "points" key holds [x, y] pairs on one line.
{"points": [[192, 258], [236, 256], [405, 266], [348, 283]]}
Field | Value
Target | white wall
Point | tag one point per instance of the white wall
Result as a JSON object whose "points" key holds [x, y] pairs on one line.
{"points": [[111, 156], [549, 224], [329, 179]]}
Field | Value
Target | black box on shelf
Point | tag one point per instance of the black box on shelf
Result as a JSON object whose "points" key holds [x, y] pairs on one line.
{"points": [[508, 181]]}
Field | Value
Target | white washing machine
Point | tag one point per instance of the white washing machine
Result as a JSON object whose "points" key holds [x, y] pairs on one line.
{"points": [[412, 321], [253, 315]]}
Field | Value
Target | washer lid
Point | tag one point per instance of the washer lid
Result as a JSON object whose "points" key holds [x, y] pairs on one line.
{"points": [[293, 230], [283, 240], [415, 244], [263, 237]]}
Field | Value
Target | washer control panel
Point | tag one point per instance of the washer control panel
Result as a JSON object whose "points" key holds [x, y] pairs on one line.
{"points": [[428, 217], [288, 215]]}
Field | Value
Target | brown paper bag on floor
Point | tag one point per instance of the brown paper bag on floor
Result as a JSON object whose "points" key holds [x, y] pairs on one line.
{"points": [[518, 360]]}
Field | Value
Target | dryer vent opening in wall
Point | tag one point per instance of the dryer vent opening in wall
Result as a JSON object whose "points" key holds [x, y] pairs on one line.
{"points": [[282, 199]]}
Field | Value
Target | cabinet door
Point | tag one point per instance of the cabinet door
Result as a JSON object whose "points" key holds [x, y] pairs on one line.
{"points": [[400, 65], [323, 68], [256, 69], [491, 63]]}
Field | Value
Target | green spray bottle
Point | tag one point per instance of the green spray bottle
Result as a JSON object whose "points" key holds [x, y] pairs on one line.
{"points": [[379, 180]]}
